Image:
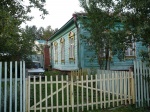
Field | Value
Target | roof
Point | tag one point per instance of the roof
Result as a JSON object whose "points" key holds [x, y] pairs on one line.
{"points": [[71, 21]]}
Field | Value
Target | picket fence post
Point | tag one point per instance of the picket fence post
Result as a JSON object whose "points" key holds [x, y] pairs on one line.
{"points": [[132, 87], [72, 92], [27, 95]]}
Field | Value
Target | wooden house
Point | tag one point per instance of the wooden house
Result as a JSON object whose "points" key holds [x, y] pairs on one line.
{"points": [[69, 52]]}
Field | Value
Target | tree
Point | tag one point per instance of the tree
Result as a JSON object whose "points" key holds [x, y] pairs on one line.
{"points": [[15, 42], [98, 25], [46, 33], [114, 24]]}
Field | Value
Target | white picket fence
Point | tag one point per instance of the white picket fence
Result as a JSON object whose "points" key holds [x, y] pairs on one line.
{"points": [[80, 94], [12, 88], [142, 83]]}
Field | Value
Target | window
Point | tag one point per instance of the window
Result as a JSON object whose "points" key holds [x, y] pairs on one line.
{"points": [[56, 51], [62, 43], [71, 45], [103, 53], [131, 50]]}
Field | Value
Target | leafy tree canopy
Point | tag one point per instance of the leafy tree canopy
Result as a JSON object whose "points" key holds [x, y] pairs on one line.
{"points": [[114, 24], [46, 33], [16, 43]]}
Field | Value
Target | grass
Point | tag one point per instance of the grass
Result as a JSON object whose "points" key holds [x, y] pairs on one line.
{"points": [[129, 108]]}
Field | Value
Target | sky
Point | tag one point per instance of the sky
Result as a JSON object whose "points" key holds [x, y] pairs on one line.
{"points": [[60, 11]]}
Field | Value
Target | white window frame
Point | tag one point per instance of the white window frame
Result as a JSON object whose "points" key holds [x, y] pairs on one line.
{"points": [[71, 46], [56, 51], [130, 51], [62, 43], [103, 53]]}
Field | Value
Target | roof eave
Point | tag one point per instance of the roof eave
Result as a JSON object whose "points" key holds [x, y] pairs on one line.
{"points": [[62, 28]]}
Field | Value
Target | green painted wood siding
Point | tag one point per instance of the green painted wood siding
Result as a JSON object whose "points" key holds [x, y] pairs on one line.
{"points": [[67, 64]]}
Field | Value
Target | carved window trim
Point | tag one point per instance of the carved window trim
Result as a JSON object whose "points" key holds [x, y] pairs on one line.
{"points": [[62, 44]]}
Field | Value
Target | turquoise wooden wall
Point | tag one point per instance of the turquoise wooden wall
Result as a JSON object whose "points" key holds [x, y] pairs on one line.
{"points": [[67, 65], [83, 55], [87, 57], [125, 64], [114, 63]]}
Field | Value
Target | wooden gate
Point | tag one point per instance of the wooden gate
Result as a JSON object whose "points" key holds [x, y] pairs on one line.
{"points": [[80, 93]]}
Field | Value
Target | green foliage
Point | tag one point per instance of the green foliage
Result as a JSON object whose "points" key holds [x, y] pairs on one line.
{"points": [[53, 73], [128, 108], [46, 33], [16, 43], [114, 24]]}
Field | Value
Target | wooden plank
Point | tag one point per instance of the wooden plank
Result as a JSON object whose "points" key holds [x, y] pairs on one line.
{"points": [[21, 109], [138, 87], [15, 86], [104, 87], [135, 82], [46, 105], [34, 93], [147, 83], [10, 99], [121, 86], [92, 91], [77, 77], [29, 94], [62, 85], [108, 77], [101, 91], [128, 77], [5, 94], [51, 79], [144, 80], [113, 97], [67, 93], [133, 89], [125, 87], [82, 93], [141, 77], [57, 93], [0, 83], [117, 83], [72, 93], [40, 90], [24, 88], [87, 96], [96, 92]]}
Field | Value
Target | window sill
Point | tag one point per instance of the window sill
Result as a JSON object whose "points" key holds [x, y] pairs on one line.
{"points": [[71, 59], [62, 61], [104, 58], [130, 57]]}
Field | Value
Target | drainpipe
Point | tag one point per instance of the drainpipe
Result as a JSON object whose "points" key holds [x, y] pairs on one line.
{"points": [[78, 40]]}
